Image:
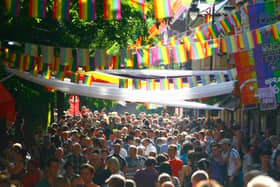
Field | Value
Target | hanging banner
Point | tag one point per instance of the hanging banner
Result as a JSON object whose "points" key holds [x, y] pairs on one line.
{"points": [[74, 103], [266, 55], [267, 99]]}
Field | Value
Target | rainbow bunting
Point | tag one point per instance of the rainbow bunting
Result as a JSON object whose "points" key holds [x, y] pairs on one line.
{"points": [[187, 42], [173, 41], [28, 62], [65, 56], [73, 66], [140, 6], [123, 83], [226, 25], [75, 77], [47, 73], [136, 84], [205, 79], [162, 9], [112, 9], [220, 78], [231, 44], [200, 36], [40, 63], [274, 31], [163, 55], [150, 106], [88, 80], [116, 62], [35, 70], [31, 49], [100, 57], [83, 58], [164, 84], [223, 45], [258, 37], [196, 51], [48, 54], [232, 74], [19, 62], [192, 81], [244, 10], [179, 54], [37, 8], [126, 58], [240, 41], [56, 64], [87, 9], [178, 83], [150, 84], [236, 18], [12, 7], [60, 75], [91, 63], [61, 9], [11, 58], [249, 41], [143, 57]]}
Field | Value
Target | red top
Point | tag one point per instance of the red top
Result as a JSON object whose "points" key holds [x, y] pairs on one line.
{"points": [[176, 165]]}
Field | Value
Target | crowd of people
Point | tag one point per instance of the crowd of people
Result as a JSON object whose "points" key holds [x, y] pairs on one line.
{"points": [[96, 148]]}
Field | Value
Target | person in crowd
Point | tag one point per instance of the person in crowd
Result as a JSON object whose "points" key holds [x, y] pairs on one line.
{"points": [[165, 167], [76, 158], [187, 146], [175, 163], [116, 180], [247, 158], [262, 181], [164, 147], [59, 153], [275, 141], [149, 147], [264, 157], [134, 162], [77, 181], [167, 184], [116, 154], [198, 176], [52, 170], [113, 165], [101, 174], [46, 151], [147, 176], [187, 170], [208, 183], [33, 174], [250, 175], [87, 173], [275, 172], [231, 157]]}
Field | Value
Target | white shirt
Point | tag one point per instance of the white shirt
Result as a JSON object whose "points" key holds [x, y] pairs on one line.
{"points": [[150, 148]]}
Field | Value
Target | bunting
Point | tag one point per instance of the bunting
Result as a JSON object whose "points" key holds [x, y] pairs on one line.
{"points": [[205, 79], [192, 81], [88, 80], [48, 54], [100, 57], [220, 78], [112, 9], [61, 9], [163, 55], [60, 75], [91, 63], [150, 84], [37, 8], [65, 56], [47, 71], [231, 44], [126, 58], [31, 49], [196, 51], [236, 18], [162, 9], [212, 29], [83, 58], [87, 9], [178, 83], [136, 84], [164, 84], [75, 77], [19, 62], [28, 62], [123, 83], [12, 7], [143, 57], [226, 25], [275, 32], [179, 54], [258, 37]]}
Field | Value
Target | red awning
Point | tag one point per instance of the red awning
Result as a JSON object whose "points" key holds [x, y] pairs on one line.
{"points": [[7, 104]]}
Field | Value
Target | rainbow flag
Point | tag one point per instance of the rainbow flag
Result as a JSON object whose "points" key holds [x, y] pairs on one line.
{"points": [[200, 36], [12, 7], [136, 84], [232, 74], [274, 31], [100, 57], [56, 64], [231, 44], [163, 55], [48, 54], [88, 80], [123, 83], [60, 75], [83, 57], [40, 63], [205, 79], [150, 84], [35, 70], [48, 72], [179, 54], [227, 27], [73, 66], [91, 63], [248, 39], [187, 42], [143, 57], [173, 41], [126, 58], [28, 62], [162, 9], [37, 8], [87, 9], [220, 78], [192, 81], [65, 56], [19, 62], [258, 36], [61, 9], [244, 10], [178, 83], [112, 9], [196, 51], [31, 49], [164, 84], [223, 45], [116, 62], [75, 77], [240, 41], [236, 18], [140, 6]]}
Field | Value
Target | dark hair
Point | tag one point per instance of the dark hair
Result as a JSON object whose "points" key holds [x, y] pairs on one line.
{"points": [[165, 167], [151, 161], [87, 166]]}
